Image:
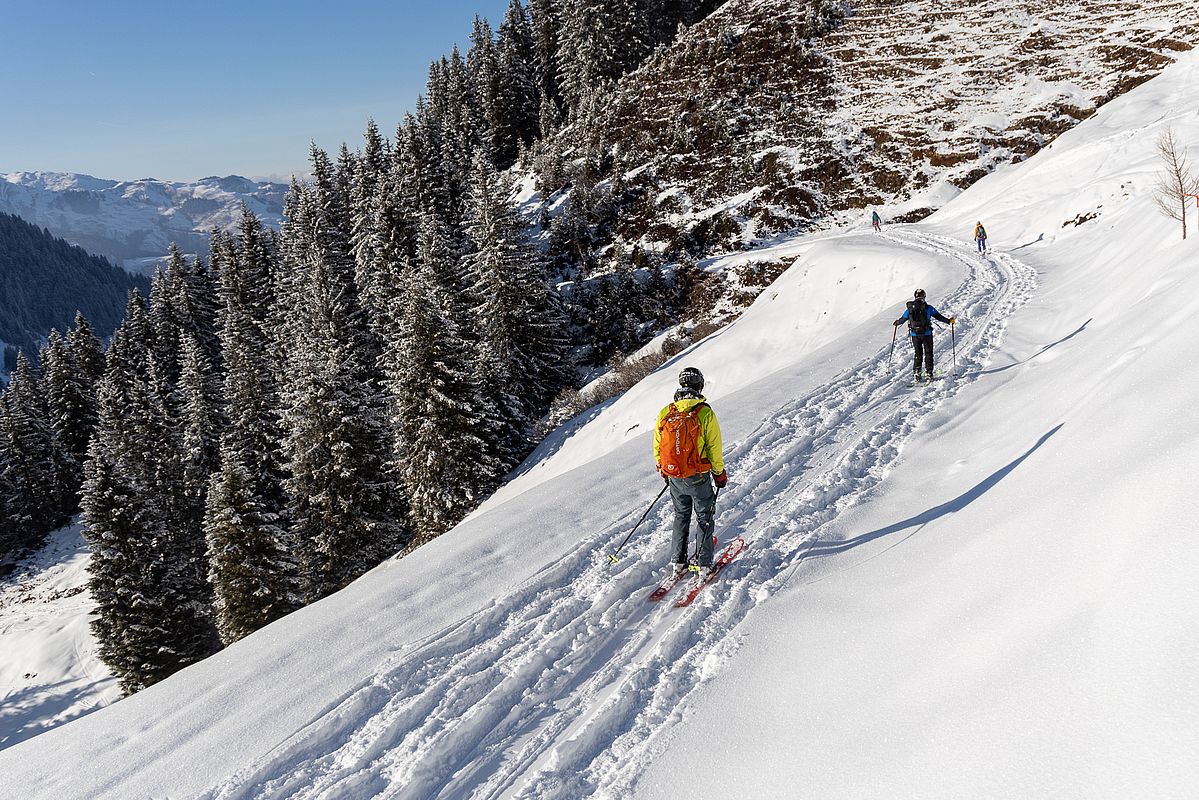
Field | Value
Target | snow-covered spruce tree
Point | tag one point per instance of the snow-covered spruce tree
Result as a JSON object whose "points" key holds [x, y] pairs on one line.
{"points": [[665, 16], [370, 232], [147, 567], [546, 25], [253, 566], [517, 62], [116, 520], [573, 234], [601, 40], [182, 306], [87, 351], [201, 415], [71, 409], [518, 320], [345, 506], [177, 490], [442, 426], [31, 494], [823, 16], [186, 411], [452, 132], [496, 131]]}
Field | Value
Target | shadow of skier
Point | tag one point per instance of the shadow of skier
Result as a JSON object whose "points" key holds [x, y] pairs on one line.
{"points": [[916, 523], [1049, 346]]}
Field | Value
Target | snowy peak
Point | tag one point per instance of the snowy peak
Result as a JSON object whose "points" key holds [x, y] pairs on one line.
{"points": [[133, 222]]}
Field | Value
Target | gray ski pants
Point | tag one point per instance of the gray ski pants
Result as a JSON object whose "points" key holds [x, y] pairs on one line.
{"points": [[695, 493]]}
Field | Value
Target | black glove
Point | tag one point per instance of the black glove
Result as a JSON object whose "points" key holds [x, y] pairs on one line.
{"points": [[897, 323], [722, 479]]}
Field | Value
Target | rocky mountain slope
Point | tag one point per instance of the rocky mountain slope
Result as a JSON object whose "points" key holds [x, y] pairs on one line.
{"points": [[133, 222], [743, 128]]}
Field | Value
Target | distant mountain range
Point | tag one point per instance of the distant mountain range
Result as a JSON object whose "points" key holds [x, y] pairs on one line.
{"points": [[133, 222]]}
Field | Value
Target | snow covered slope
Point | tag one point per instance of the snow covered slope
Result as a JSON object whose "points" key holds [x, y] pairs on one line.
{"points": [[740, 130], [49, 671], [978, 588], [133, 222]]}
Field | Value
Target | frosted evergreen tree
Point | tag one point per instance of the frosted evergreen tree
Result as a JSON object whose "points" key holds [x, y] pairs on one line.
{"points": [[823, 16], [614, 322], [177, 489], [545, 26], [658, 293], [71, 411], [253, 564], [451, 123], [370, 232], [252, 568], [518, 68], [147, 568], [345, 507], [202, 419], [182, 304], [665, 16], [32, 495], [494, 125], [519, 319], [441, 424], [87, 350], [600, 41], [573, 237], [116, 519]]}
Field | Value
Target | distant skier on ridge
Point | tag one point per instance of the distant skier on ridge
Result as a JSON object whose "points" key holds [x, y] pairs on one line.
{"points": [[919, 315], [980, 236], [876, 221], [688, 453]]}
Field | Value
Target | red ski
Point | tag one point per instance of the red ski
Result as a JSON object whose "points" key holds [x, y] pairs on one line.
{"points": [[672, 580], [734, 549]]}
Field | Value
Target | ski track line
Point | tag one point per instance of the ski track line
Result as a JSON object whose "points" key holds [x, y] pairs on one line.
{"points": [[566, 687]]}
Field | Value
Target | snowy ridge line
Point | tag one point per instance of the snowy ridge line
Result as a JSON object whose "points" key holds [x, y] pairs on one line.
{"points": [[565, 687]]}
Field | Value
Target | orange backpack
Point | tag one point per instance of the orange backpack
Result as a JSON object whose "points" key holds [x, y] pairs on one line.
{"points": [[679, 443]]}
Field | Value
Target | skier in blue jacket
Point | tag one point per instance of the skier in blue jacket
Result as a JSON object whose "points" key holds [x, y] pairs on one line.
{"points": [[919, 315]]}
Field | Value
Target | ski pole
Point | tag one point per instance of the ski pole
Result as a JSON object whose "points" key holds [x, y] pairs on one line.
{"points": [[612, 556], [894, 333], [954, 339]]}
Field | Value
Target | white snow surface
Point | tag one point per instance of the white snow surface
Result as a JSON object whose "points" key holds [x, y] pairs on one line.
{"points": [[49, 670], [983, 587]]}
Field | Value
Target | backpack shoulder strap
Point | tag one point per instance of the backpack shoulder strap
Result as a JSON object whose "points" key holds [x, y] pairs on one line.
{"points": [[668, 412]]}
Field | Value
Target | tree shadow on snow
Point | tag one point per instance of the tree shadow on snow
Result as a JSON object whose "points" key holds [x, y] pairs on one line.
{"points": [[34, 709], [916, 523]]}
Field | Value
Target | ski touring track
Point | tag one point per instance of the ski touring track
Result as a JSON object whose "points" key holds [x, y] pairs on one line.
{"points": [[568, 686]]}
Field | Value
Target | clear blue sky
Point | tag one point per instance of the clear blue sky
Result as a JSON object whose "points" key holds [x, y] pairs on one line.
{"points": [[130, 89]]}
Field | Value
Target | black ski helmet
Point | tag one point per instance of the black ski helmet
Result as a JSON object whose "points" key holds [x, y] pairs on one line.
{"points": [[920, 294], [691, 378]]}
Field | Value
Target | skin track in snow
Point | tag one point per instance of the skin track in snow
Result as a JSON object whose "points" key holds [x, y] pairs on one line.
{"points": [[563, 688], [735, 548]]}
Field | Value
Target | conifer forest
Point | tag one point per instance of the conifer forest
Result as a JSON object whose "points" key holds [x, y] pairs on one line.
{"points": [[283, 413]]}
